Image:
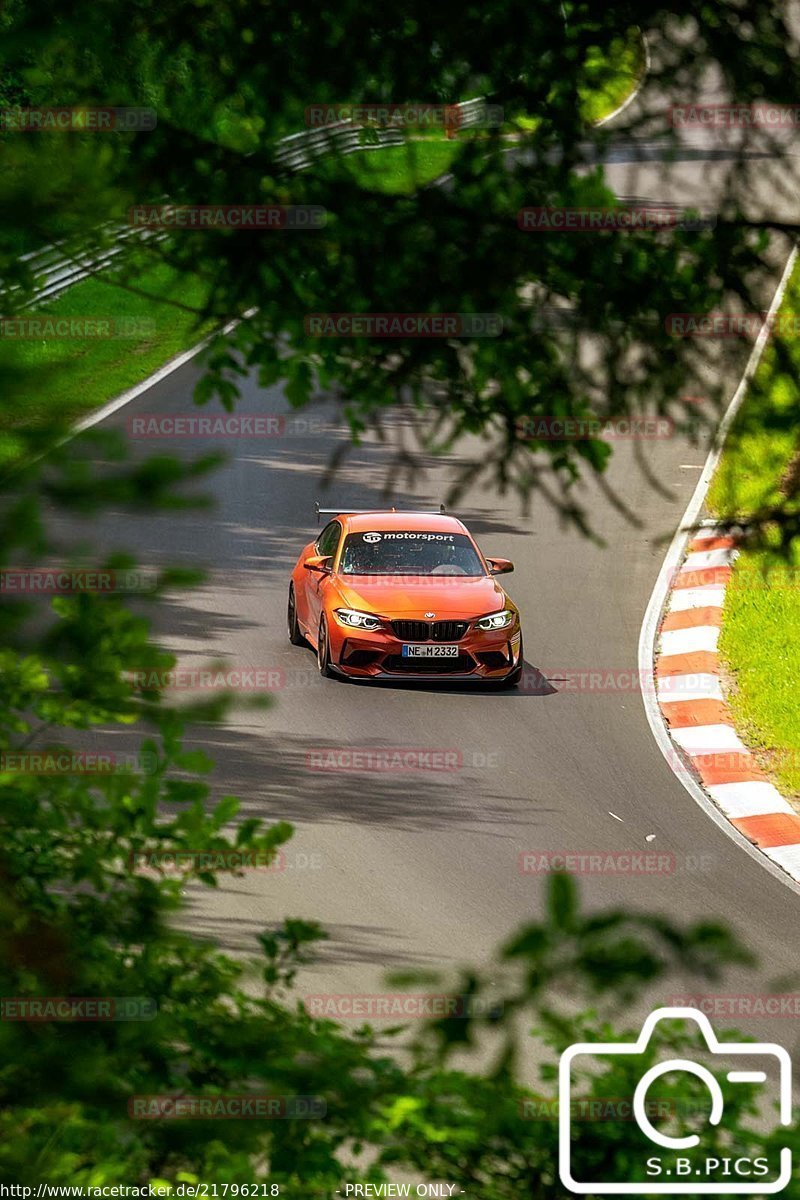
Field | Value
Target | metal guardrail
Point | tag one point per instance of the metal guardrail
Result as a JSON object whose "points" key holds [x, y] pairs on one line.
{"points": [[300, 151], [297, 152], [58, 272]]}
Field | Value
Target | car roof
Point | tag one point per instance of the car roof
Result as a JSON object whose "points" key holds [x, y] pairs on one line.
{"points": [[432, 522]]}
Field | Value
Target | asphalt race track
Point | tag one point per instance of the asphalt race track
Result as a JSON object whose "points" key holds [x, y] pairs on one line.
{"points": [[421, 868]]}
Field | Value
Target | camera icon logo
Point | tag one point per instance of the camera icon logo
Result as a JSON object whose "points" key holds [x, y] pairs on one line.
{"points": [[682, 1166]]}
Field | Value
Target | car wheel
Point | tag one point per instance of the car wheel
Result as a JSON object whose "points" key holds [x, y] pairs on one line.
{"points": [[324, 652], [295, 636]]}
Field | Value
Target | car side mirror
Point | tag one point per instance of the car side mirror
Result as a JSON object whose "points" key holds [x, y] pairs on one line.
{"points": [[500, 566], [321, 563]]}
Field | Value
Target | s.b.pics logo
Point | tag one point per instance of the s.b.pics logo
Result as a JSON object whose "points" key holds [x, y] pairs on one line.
{"points": [[676, 1104]]}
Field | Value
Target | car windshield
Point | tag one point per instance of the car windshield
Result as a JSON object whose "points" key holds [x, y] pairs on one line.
{"points": [[409, 552]]}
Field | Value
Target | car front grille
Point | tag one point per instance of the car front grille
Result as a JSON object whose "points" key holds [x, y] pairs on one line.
{"points": [[463, 664], [411, 631], [430, 631]]}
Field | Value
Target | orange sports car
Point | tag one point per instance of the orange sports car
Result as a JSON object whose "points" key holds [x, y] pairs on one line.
{"points": [[383, 595]]}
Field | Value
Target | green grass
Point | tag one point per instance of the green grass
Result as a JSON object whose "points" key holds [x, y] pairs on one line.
{"points": [[56, 380], [400, 170], [759, 646], [611, 76]]}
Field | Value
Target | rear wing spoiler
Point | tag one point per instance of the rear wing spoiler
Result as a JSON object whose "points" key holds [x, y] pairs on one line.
{"points": [[337, 512]]}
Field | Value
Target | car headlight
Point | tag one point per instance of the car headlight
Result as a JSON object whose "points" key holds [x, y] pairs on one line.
{"points": [[356, 619], [498, 620]]}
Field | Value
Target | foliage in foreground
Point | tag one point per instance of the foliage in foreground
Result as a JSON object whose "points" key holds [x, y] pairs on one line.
{"points": [[77, 920], [758, 484], [247, 76]]}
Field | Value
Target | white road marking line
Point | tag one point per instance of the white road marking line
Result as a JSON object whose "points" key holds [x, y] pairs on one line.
{"points": [[139, 389], [630, 99]]}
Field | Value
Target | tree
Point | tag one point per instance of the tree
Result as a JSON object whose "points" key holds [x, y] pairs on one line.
{"points": [[77, 919], [229, 81]]}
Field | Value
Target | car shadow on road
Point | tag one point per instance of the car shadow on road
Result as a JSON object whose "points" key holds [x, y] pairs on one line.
{"points": [[317, 779], [533, 683], [301, 780], [344, 944]]}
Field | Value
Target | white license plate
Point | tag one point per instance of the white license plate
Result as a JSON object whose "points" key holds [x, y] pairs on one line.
{"points": [[430, 651]]}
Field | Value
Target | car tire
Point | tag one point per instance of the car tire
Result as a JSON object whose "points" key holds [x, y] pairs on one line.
{"points": [[324, 652], [295, 635]]}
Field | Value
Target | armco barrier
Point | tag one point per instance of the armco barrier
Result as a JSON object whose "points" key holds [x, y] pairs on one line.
{"points": [[57, 270]]}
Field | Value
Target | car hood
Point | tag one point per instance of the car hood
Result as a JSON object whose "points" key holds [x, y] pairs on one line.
{"points": [[446, 596]]}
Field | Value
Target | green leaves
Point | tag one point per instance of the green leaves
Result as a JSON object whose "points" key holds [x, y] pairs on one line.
{"points": [[457, 249], [299, 383], [287, 948], [613, 952], [97, 868], [562, 903]]}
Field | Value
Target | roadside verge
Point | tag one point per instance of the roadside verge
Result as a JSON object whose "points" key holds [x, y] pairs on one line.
{"points": [[690, 695], [687, 712], [89, 350]]}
